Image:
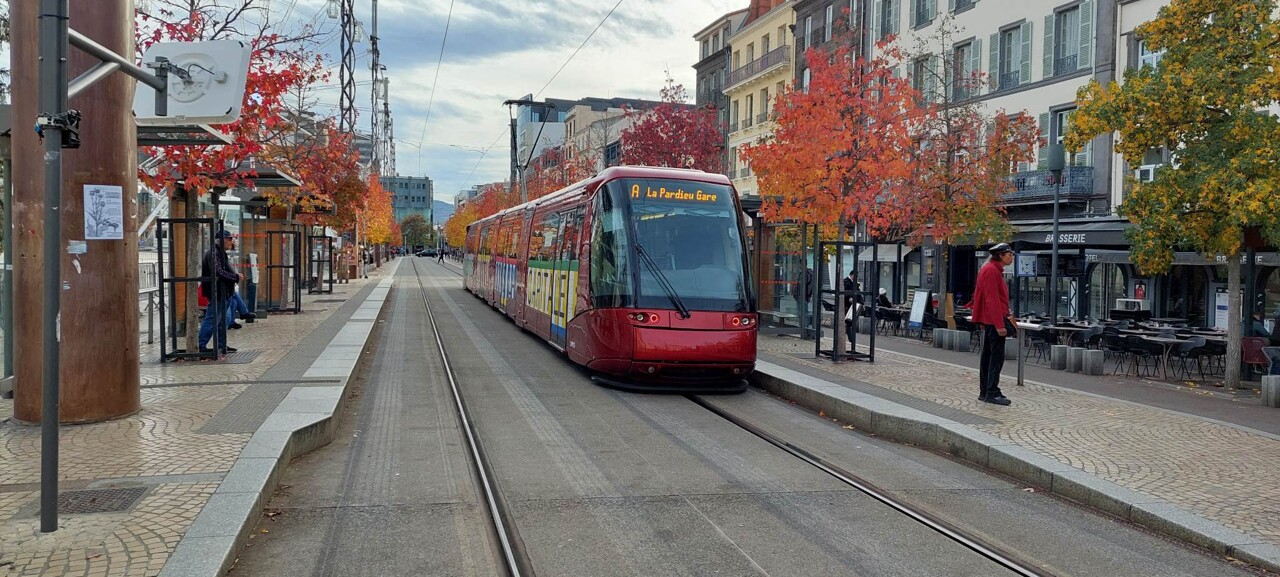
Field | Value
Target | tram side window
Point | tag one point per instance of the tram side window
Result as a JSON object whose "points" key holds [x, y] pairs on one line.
{"points": [[484, 241], [543, 246], [513, 246], [610, 270], [572, 228]]}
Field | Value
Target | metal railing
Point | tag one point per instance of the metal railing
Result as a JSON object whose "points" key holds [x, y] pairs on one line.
{"points": [[1065, 65], [766, 61], [732, 173], [1035, 186], [149, 291], [1010, 80], [733, 127], [762, 118], [746, 122]]}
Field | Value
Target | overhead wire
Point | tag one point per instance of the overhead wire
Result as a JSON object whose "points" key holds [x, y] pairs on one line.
{"points": [[544, 86], [444, 39]]}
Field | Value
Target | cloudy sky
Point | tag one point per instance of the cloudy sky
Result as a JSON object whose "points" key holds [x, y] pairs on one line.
{"points": [[500, 50]]}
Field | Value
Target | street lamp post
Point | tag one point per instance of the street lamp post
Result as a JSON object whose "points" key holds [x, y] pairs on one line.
{"points": [[1057, 160]]}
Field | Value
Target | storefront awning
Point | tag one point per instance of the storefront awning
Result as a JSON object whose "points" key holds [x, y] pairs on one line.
{"points": [[1091, 234]]}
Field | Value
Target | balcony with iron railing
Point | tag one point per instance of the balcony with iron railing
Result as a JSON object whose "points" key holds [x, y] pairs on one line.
{"points": [[766, 62], [1038, 186], [732, 173], [1009, 80], [733, 126], [762, 118], [746, 122], [1065, 65]]}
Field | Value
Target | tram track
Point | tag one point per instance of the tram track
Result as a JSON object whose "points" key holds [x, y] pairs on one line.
{"points": [[966, 539], [515, 561]]}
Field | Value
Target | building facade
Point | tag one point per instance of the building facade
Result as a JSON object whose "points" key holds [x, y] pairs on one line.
{"points": [[594, 126], [410, 195], [712, 70], [760, 64]]}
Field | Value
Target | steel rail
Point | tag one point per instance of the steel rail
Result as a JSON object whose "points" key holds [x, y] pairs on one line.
{"points": [[952, 532], [497, 512]]}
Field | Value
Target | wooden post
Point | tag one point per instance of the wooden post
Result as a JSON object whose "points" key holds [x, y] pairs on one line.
{"points": [[99, 302]]}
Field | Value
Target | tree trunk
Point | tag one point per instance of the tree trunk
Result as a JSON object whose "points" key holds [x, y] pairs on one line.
{"points": [[1234, 318], [194, 258], [945, 308]]}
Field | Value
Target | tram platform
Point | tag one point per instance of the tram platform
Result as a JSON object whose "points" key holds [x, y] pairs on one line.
{"points": [[174, 489], [1195, 467]]}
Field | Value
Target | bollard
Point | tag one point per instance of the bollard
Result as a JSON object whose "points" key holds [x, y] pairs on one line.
{"points": [[1058, 356], [1094, 362], [963, 340], [937, 337], [1271, 390], [1075, 359]]}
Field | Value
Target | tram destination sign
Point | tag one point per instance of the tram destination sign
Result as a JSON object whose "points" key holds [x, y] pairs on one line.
{"points": [[677, 193]]}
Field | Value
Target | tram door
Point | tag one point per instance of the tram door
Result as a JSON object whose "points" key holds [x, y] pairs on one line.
{"points": [[565, 274]]}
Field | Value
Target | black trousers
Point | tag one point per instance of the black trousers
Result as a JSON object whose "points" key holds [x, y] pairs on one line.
{"points": [[991, 363]]}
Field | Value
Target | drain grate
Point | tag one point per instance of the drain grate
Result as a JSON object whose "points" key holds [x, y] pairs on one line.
{"points": [[329, 301], [241, 357], [99, 500]]}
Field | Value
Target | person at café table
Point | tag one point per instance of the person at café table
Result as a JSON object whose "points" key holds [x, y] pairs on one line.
{"points": [[1256, 327], [883, 299]]}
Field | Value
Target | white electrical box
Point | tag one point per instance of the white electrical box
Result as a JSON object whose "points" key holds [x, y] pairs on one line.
{"points": [[213, 93]]}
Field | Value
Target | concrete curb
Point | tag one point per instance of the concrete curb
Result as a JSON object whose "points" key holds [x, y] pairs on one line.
{"points": [[906, 425], [304, 421]]}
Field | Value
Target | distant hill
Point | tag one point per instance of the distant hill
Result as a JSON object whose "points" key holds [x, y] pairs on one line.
{"points": [[442, 210]]}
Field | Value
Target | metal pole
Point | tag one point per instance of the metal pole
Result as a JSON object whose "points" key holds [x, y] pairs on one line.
{"points": [[53, 102], [1053, 258]]}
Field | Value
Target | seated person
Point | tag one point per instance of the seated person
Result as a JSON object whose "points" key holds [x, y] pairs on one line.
{"points": [[883, 299]]}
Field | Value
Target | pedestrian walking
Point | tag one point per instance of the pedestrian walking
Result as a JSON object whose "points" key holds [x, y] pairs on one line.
{"points": [[991, 312], [440, 256], [217, 267]]}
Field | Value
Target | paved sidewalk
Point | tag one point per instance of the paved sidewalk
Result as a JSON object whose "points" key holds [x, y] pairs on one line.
{"points": [[1215, 469], [147, 477]]}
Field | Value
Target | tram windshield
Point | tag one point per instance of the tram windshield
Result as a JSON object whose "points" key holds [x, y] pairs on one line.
{"points": [[691, 234]]}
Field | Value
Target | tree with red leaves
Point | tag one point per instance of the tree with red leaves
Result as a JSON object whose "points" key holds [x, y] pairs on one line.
{"points": [[673, 134], [556, 168]]}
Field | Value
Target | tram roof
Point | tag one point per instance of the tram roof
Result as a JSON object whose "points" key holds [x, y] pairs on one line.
{"points": [[616, 172]]}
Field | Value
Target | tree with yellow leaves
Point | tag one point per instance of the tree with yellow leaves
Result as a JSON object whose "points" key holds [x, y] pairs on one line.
{"points": [[1204, 102]]}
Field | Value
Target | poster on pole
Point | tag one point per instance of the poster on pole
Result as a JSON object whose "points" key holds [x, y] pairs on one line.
{"points": [[103, 212]]}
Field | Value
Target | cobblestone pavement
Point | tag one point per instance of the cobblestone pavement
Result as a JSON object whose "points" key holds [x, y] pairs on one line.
{"points": [[158, 452], [1217, 471]]}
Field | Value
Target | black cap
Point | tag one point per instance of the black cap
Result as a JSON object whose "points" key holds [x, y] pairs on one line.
{"points": [[1000, 249], [224, 233]]}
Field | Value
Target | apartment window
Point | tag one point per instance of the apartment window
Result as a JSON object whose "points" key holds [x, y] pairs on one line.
{"points": [[751, 53], [1066, 41], [1011, 57], [1148, 57], [826, 28], [764, 105], [733, 125], [808, 32], [764, 44], [961, 70], [961, 5], [706, 48], [887, 17], [737, 60], [715, 43], [919, 74], [805, 81], [782, 36], [1061, 123], [733, 162], [751, 110], [922, 12]]}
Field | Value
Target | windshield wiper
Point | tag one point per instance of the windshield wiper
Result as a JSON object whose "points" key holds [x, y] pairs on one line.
{"points": [[662, 282]]}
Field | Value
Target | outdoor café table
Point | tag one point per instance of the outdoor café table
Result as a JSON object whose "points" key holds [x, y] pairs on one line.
{"points": [[1168, 344], [1068, 331]]}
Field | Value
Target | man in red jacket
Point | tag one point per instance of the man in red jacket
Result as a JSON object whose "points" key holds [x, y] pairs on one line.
{"points": [[991, 312]]}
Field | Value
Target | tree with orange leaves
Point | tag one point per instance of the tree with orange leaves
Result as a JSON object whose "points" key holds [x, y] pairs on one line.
{"points": [[838, 144], [455, 229], [380, 216], [557, 168], [493, 197]]}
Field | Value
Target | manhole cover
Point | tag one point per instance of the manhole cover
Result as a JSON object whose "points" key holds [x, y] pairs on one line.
{"points": [[99, 500]]}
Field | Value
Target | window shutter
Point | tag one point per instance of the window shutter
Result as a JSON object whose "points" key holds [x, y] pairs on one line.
{"points": [[1086, 35], [951, 5], [933, 9], [931, 81], [1024, 76], [894, 12], [973, 66], [911, 12], [1048, 45], [1131, 50], [993, 61], [1042, 158], [876, 32]]}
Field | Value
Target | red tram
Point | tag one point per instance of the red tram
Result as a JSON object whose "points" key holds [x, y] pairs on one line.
{"points": [[640, 274]]}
